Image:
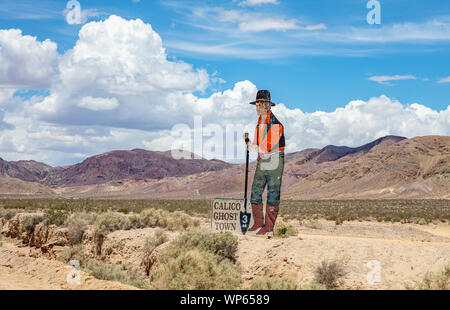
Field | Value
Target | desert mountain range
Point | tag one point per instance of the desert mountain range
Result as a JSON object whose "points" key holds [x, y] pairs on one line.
{"points": [[389, 167]]}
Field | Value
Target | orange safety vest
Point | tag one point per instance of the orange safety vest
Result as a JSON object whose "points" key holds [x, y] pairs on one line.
{"points": [[270, 135]]}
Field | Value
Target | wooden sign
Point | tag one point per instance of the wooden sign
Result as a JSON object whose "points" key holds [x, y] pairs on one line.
{"points": [[226, 216]]}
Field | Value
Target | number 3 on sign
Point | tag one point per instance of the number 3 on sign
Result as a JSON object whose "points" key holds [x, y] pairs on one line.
{"points": [[374, 16]]}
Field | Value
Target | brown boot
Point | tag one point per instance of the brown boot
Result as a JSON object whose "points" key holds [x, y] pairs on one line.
{"points": [[271, 216], [258, 216]]}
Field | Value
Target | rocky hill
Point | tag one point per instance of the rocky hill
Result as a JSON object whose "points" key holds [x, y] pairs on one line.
{"points": [[389, 167]]}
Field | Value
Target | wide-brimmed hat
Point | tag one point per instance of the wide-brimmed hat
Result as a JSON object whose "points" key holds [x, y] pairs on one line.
{"points": [[263, 95]]}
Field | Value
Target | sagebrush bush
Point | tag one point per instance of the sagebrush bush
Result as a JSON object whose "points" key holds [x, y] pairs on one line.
{"points": [[77, 224], [56, 217], [197, 270], [110, 222], [171, 220], [29, 222], [113, 272], [224, 245], [199, 260], [7, 214], [284, 230], [329, 274], [71, 253], [101, 270]]}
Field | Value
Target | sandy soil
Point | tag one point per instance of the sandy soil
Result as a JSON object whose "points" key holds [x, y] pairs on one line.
{"points": [[405, 253], [22, 268]]}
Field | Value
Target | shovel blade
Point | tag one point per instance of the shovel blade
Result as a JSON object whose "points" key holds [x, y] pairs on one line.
{"points": [[244, 218]]}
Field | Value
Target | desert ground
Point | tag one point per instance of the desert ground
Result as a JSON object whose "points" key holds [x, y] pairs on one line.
{"points": [[406, 253]]}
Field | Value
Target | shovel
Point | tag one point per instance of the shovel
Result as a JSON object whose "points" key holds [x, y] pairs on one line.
{"points": [[245, 216]]}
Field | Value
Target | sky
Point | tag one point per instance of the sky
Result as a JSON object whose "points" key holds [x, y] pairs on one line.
{"points": [[80, 78]]}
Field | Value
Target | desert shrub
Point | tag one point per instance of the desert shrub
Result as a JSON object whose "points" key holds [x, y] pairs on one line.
{"points": [[197, 270], [171, 220], [224, 245], [310, 223], [1, 242], [107, 223], [273, 283], [123, 210], [56, 217], [101, 270], [329, 274], [77, 225], [199, 260], [134, 221], [431, 281], [29, 222], [151, 243], [113, 272], [110, 222], [71, 253], [284, 230], [7, 214]]}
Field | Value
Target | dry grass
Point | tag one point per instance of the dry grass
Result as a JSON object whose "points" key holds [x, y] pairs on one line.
{"points": [[431, 281], [101, 270], [197, 270], [329, 274], [388, 210]]}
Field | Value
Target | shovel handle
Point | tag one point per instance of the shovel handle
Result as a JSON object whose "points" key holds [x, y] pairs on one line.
{"points": [[246, 179]]}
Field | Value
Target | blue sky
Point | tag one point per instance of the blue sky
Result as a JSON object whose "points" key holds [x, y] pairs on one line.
{"points": [[313, 55], [325, 76]]}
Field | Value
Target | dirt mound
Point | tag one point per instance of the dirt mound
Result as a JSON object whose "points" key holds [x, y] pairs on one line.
{"points": [[42, 236], [22, 268]]}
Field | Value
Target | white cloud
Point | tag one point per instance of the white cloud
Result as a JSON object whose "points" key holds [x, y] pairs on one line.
{"points": [[125, 60], [360, 122], [257, 2], [444, 80], [26, 62], [437, 29], [384, 79], [116, 89], [98, 104]]}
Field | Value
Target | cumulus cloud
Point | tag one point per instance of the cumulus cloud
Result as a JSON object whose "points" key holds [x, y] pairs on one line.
{"points": [[125, 60], [26, 62], [384, 79], [98, 104], [116, 89], [360, 122]]}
